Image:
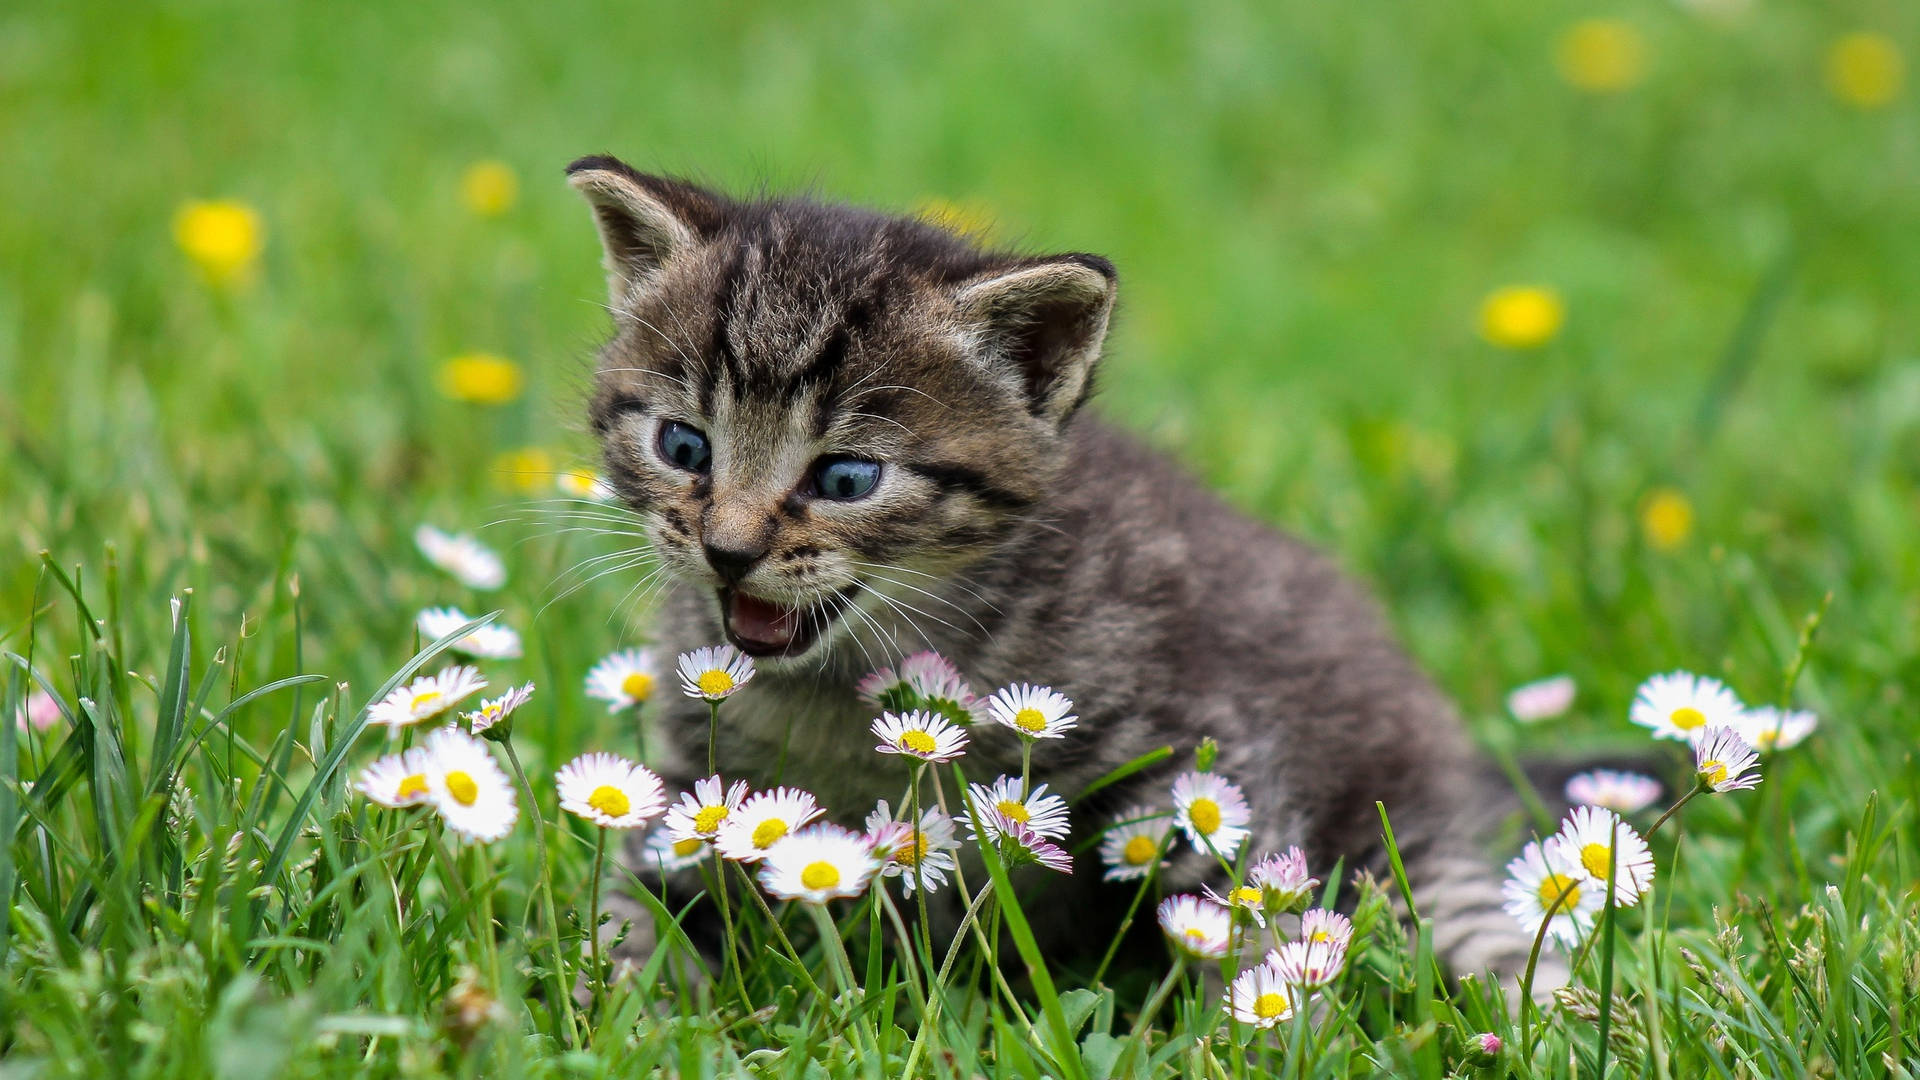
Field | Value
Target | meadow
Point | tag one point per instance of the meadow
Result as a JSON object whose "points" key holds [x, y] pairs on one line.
{"points": [[1583, 333]]}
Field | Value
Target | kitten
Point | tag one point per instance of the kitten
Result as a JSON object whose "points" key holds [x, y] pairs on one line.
{"points": [[852, 436]]}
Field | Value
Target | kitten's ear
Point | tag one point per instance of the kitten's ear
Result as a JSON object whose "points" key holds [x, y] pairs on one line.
{"points": [[644, 221], [1048, 318]]}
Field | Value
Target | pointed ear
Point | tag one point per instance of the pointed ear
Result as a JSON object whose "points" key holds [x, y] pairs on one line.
{"points": [[1047, 318], [645, 221]]}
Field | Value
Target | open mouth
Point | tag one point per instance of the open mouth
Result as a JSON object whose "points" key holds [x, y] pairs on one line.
{"points": [[762, 628]]}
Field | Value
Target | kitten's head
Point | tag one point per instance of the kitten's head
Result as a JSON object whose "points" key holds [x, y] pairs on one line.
{"points": [[809, 404]]}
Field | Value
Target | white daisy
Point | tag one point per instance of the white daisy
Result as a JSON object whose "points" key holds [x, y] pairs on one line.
{"points": [[1721, 759], [494, 711], [623, 679], [1035, 712], [489, 642], [1587, 837], [1131, 845], [1211, 811], [583, 484], [1247, 898], [467, 559], [1308, 965], [1681, 705], [762, 821], [668, 855], [610, 791], [1045, 814], [1322, 927], [1284, 879], [714, 672], [1020, 845], [1767, 728], [924, 735], [700, 812], [473, 795], [1197, 927], [926, 680], [1260, 996], [1624, 792], [916, 857], [1542, 700], [819, 864], [1544, 885], [397, 780], [426, 697]]}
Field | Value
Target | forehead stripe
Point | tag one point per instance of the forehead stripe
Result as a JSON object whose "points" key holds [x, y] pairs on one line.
{"points": [[959, 478]]}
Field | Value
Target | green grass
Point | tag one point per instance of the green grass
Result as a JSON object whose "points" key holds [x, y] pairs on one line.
{"points": [[1307, 202]]}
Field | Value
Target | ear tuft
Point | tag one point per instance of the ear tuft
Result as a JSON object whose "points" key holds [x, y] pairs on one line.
{"points": [[644, 221], [1047, 318]]}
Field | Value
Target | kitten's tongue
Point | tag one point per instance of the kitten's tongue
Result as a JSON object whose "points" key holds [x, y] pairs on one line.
{"points": [[762, 623]]}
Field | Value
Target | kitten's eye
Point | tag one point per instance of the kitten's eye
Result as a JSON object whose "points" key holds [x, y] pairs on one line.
{"points": [[844, 477], [685, 446]]}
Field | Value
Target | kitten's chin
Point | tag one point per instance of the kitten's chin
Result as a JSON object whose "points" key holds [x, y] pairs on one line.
{"points": [[768, 629]]}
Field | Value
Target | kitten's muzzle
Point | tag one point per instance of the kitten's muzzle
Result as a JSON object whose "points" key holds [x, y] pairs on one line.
{"points": [[732, 563], [764, 628]]}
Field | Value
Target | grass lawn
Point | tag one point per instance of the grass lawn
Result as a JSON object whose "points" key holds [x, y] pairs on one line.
{"points": [[242, 243]]}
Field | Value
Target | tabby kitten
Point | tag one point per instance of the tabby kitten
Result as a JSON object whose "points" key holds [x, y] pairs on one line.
{"points": [[852, 436]]}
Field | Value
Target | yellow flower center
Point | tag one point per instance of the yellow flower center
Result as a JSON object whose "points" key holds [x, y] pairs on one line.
{"points": [[1521, 316], [1139, 850], [1013, 810], [462, 788], [819, 875], [223, 238], [411, 786], [1196, 935], [610, 801], [709, 818], [1550, 889], [769, 831], [1245, 895], [1205, 815], [911, 854], [1595, 858], [684, 848], [637, 685], [1686, 718], [1269, 1005], [917, 741], [425, 699], [481, 378], [1715, 772], [714, 683], [1319, 936], [1030, 720], [1764, 740], [489, 188], [1666, 518]]}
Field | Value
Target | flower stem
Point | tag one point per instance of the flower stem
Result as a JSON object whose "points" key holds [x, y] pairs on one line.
{"points": [[1533, 961], [1675, 808], [559, 972], [936, 993], [713, 736], [1159, 998], [597, 982]]}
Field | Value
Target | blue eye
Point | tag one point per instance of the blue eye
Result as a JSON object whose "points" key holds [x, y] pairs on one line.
{"points": [[844, 477], [685, 446]]}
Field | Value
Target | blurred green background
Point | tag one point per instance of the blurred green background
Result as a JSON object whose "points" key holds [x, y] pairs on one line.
{"points": [[1310, 205]]}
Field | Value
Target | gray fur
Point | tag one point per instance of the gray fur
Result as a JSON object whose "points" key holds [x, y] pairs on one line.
{"points": [[1011, 532]]}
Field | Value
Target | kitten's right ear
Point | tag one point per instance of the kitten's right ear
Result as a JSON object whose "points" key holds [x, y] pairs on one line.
{"points": [[645, 221]]}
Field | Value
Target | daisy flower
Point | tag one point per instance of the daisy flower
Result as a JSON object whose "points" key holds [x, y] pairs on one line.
{"points": [[1307, 964], [925, 680], [1542, 700], [925, 853], [1247, 898], [1322, 927], [40, 712], [1284, 879], [397, 780], [714, 672], [819, 864], [1721, 759], [1260, 996], [1198, 928], [583, 484], [426, 697], [1035, 712], [924, 735], [1767, 728], [1211, 811], [1681, 705], [1045, 814], [489, 642], [700, 812], [1591, 836], [1543, 885], [762, 821], [669, 855], [467, 786], [610, 791], [1622, 792], [498, 710], [1130, 846], [1020, 845], [623, 679], [467, 559]]}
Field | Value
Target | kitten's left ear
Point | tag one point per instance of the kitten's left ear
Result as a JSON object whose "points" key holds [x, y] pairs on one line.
{"points": [[1047, 317], [645, 221]]}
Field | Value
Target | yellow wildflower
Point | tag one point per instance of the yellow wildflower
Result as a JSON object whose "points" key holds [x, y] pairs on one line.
{"points": [[222, 237], [528, 469], [481, 378], [1865, 70], [968, 217], [1666, 518], [489, 188], [1521, 316], [1601, 56]]}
